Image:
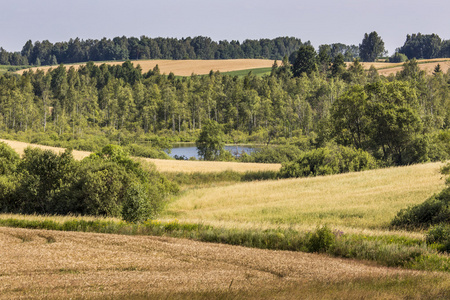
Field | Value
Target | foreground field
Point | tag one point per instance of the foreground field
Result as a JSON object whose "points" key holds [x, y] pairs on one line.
{"points": [[187, 67], [364, 200], [52, 264], [164, 165]]}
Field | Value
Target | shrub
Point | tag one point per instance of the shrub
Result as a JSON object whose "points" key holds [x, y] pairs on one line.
{"points": [[280, 154], [434, 210], [326, 161], [136, 208], [398, 57], [107, 183], [440, 235], [9, 159], [321, 240]]}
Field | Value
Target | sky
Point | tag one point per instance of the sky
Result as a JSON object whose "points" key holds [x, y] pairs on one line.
{"points": [[318, 21]]}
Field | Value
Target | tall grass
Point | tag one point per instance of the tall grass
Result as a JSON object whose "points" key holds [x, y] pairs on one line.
{"points": [[365, 200]]}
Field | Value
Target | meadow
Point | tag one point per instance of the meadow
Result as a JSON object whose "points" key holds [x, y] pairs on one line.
{"points": [[363, 200]]}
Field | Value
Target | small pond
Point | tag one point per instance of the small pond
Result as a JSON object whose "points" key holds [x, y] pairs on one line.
{"points": [[189, 150]]}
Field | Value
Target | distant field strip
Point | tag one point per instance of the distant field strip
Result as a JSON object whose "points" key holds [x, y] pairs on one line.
{"points": [[426, 65], [364, 200], [164, 165], [186, 67]]}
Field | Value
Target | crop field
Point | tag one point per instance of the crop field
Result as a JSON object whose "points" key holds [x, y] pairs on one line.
{"points": [[164, 165], [241, 67], [188, 67], [51, 264], [427, 65], [364, 200]]}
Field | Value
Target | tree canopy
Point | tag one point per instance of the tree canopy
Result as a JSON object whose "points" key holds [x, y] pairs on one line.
{"points": [[371, 47]]}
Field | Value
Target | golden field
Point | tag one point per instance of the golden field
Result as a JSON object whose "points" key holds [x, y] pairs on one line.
{"points": [[185, 67], [202, 67], [427, 65], [360, 200], [165, 165], [37, 264]]}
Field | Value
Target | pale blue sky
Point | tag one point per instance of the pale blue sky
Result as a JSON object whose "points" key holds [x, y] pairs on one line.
{"points": [[320, 21]]}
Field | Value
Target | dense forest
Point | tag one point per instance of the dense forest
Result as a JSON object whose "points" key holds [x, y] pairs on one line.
{"points": [[401, 119], [123, 48]]}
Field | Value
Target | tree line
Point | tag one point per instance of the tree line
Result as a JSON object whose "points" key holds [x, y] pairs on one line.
{"points": [[123, 48], [419, 46]]}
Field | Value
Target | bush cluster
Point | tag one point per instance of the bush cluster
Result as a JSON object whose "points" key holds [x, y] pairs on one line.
{"points": [[107, 183], [439, 235], [327, 161], [435, 210]]}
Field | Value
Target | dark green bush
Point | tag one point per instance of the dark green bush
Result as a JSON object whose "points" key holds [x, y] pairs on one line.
{"points": [[440, 235], [279, 154], [143, 151], [326, 161], [321, 240], [434, 210], [9, 159], [107, 183]]}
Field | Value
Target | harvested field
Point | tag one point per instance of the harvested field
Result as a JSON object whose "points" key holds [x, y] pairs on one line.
{"points": [[428, 65], [164, 165], [187, 67], [52, 264]]}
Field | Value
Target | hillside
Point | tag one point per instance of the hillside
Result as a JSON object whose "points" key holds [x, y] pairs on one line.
{"points": [[363, 200]]}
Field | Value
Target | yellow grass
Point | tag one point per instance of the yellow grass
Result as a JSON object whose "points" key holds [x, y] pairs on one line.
{"points": [[365, 200], [186, 67], [51, 264], [428, 65], [164, 165]]}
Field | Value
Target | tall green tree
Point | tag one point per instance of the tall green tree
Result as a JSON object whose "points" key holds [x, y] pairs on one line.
{"points": [[306, 61], [371, 47], [210, 143]]}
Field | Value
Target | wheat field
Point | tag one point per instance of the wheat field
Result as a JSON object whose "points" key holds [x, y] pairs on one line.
{"points": [[51, 264], [165, 165], [184, 67], [427, 65]]}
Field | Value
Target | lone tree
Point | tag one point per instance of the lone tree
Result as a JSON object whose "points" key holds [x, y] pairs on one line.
{"points": [[372, 47], [210, 143]]}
